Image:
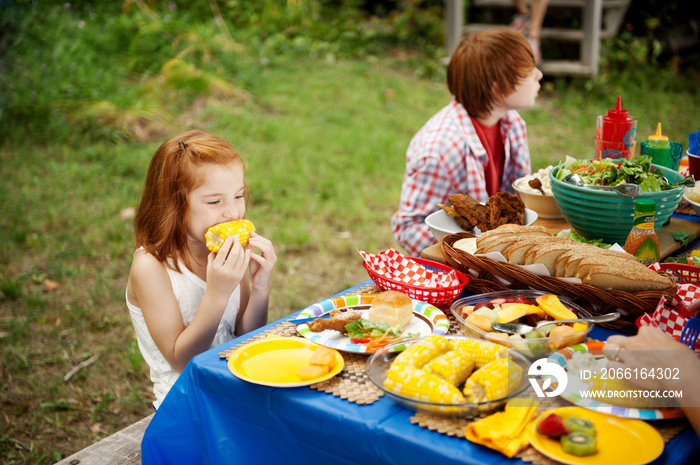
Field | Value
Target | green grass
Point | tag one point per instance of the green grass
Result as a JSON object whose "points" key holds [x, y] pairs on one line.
{"points": [[323, 129]]}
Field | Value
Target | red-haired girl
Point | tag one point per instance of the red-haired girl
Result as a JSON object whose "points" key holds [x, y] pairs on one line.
{"points": [[184, 299]]}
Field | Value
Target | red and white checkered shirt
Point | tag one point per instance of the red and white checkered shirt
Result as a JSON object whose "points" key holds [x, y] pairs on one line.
{"points": [[446, 157]]}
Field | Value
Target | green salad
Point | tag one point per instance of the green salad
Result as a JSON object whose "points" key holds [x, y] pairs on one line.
{"points": [[612, 172], [573, 235]]}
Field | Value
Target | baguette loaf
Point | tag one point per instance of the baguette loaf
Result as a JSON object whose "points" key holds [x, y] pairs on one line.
{"points": [[509, 230], [515, 253], [564, 257], [539, 249], [587, 263], [630, 279], [568, 264], [562, 261], [497, 244], [547, 255]]}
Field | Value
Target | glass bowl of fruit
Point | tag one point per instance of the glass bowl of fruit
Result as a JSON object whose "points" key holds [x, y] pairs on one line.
{"points": [[511, 318]]}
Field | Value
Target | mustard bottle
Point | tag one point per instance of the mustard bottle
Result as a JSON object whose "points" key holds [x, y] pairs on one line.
{"points": [[659, 141]]}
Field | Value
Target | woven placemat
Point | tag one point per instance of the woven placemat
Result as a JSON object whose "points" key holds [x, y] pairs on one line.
{"points": [[352, 383], [456, 427]]}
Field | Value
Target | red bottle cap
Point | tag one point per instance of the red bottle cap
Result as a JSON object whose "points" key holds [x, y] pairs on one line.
{"points": [[618, 114]]}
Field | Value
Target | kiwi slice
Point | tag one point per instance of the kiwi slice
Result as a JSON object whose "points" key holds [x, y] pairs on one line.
{"points": [[579, 444], [580, 425]]}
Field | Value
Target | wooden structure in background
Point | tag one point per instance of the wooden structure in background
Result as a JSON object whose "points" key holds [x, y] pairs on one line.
{"points": [[600, 19]]}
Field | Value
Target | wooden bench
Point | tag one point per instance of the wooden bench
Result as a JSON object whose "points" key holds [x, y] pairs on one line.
{"points": [[121, 448], [600, 19]]}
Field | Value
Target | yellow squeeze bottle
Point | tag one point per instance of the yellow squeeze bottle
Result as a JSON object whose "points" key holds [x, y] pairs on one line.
{"points": [[661, 141]]}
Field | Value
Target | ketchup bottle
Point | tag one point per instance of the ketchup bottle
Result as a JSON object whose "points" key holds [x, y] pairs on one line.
{"points": [[619, 132]]}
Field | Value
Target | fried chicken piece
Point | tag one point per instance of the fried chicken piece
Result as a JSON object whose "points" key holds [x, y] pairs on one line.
{"points": [[505, 208], [501, 208], [336, 322], [464, 223], [461, 220], [472, 211], [464, 204]]}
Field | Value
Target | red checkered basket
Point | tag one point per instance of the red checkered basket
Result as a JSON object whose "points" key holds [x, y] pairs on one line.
{"points": [[438, 296], [682, 272], [671, 315]]}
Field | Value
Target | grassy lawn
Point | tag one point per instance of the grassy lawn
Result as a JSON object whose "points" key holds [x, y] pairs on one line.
{"points": [[324, 140]]}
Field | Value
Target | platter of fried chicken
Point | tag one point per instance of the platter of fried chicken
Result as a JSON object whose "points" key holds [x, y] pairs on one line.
{"points": [[466, 214], [362, 324]]}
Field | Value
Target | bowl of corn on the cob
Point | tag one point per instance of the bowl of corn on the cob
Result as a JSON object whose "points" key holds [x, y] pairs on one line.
{"points": [[452, 376], [475, 315]]}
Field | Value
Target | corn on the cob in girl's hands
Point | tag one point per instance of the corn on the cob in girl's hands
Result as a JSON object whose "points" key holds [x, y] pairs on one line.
{"points": [[483, 351], [217, 234], [453, 366], [423, 351], [414, 383], [493, 381]]}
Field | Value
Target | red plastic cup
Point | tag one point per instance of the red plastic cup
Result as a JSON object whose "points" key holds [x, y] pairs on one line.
{"points": [[694, 165]]}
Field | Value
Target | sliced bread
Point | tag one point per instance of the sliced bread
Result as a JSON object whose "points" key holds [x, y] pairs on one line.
{"points": [[628, 278], [515, 253], [568, 264], [498, 244], [533, 252], [612, 260], [547, 255], [509, 230]]}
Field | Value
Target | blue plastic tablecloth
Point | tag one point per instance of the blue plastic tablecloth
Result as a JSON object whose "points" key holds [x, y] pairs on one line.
{"points": [[212, 417]]}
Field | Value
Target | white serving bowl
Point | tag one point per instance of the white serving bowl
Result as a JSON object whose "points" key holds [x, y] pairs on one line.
{"points": [[544, 205], [694, 204], [442, 224]]}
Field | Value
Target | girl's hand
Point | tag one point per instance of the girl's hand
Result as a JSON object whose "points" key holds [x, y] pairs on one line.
{"points": [[226, 269], [261, 265]]}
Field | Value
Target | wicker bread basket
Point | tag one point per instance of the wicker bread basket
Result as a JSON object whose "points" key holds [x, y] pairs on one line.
{"points": [[598, 301]]}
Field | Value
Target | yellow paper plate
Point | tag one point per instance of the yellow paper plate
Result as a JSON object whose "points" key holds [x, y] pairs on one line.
{"points": [[275, 361], [621, 441]]}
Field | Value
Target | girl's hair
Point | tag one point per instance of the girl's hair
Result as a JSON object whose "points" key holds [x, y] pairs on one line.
{"points": [[160, 216], [488, 65]]}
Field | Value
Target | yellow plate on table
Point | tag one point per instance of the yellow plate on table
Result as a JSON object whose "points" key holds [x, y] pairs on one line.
{"points": [[274, 361], [621, 441]]}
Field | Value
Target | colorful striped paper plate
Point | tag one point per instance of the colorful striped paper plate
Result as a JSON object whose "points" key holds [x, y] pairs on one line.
{"points": [[427, 319]]}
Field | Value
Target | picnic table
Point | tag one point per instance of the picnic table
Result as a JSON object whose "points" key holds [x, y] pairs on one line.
{"points": [[211, 417]]}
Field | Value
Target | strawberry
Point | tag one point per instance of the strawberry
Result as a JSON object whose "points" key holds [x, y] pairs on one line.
{"points": [[553, 426], [498, 301], [521, 299]]}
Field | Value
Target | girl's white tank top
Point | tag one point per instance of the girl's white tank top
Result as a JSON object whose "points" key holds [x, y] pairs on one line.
{"points": [[189, 291]]}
